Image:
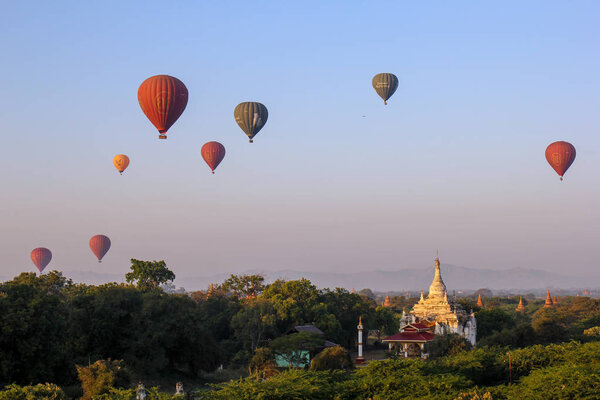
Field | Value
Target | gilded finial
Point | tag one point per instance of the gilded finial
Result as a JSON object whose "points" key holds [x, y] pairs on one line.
{"points": [[360, 320]]}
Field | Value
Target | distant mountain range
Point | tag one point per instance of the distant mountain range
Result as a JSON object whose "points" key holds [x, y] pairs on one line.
{"points": [[414, 279]]}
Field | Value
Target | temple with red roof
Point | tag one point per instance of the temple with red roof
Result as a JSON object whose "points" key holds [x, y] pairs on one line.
{"points": [[430, 316]]}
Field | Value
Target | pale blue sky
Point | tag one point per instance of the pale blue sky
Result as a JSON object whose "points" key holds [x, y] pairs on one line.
{"points": [[455, 161]]}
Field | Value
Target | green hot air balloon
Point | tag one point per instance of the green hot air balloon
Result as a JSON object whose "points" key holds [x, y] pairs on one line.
{"points": [[385, 85], [251, 117]]}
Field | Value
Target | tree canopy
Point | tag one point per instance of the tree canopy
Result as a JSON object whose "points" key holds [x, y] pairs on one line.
{"points": [[149, 275]]}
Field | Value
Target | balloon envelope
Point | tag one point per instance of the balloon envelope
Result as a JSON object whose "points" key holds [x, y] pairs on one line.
{"points": [[121, 161], [41, 257], [560, 155], [163, 99], [251, 117], [385, 84], [213, 153], [99, 245]]}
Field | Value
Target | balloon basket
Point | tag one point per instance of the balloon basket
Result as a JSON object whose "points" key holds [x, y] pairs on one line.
{"points": [[251, 141], [162, 136]]}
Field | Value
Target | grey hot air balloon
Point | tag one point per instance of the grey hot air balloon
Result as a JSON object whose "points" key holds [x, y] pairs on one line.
{"points": [[385, 85], [251, 117]]}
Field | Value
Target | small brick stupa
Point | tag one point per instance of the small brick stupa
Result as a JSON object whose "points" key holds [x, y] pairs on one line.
{"points": [[387, 303], [520, 307], [548, 301]]}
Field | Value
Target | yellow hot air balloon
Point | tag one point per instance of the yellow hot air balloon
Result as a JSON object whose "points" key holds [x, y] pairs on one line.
{"points": [[121, 161]]}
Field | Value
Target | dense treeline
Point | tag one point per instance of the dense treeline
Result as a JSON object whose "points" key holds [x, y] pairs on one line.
{"points": [[556, 371], [48, 325]]}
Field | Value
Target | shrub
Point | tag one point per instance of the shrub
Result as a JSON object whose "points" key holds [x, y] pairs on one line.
{"points": [[46, 391], [335, 357], [100, 377], [262, 363]]}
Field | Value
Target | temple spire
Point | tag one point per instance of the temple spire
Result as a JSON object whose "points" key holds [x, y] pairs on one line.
{"points": [[479, 302], [548, 300], [437, 287], [520, 307], [555, 301], [387, 302]]}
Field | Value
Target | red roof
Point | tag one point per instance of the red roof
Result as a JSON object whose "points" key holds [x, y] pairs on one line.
{"points": [[417, 325], [410, 337]]}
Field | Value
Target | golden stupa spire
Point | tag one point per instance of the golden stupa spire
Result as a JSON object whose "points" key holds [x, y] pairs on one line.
{"points": [[210, 291], [555, 301], [479, 302], [520, 307], [387, 302], [548, 300], [437, 287]]}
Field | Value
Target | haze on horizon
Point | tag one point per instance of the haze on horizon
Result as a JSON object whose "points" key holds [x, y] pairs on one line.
{"points": [[454, 162]]}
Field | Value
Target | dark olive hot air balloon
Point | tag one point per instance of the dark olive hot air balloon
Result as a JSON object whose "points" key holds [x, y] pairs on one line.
{"points": [[251, 117], [99, 245], [163, 99], [385, 85], [213, 153], [560, 156], [41, 257], [121, 161]]}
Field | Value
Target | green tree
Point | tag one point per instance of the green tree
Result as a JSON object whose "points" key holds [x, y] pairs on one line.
{"points": [[33, 330], [254, 322], [293, 301], [549, 326], [244, 285], [449, 344], [169, 335], [101, 376], [519, 336], [335, 357], [347, 309], [262, 364], [570, 381], [385, 321], [490, 321], [288, 385], [149, 274]]}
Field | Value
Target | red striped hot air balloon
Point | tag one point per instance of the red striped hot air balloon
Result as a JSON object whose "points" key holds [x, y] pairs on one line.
{"points": [[213, 153], [41, 257], [163, 99], [100, 245], [560, 156]]}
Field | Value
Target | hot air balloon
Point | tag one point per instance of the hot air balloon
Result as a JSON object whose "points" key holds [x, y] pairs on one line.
{"points": [[560, 156], [41, 257], [385, 85], [251, 117], [163, 99], [213, 153], [99, 245], [121, 161]]}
